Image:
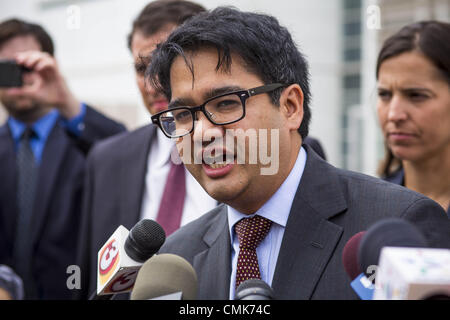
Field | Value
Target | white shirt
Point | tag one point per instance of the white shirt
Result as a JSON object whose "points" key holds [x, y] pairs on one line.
{"points": [[276, 209], [197, 201]]}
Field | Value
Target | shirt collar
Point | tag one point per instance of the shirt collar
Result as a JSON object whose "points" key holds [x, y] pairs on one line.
{"points": [[164, 146], [277, 208], [41, 127]]}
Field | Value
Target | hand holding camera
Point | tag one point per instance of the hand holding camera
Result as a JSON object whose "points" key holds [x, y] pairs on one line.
{"points": [[35, 75]]}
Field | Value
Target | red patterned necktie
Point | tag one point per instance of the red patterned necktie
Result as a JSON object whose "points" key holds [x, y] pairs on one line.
{"points": [[250, 232]]}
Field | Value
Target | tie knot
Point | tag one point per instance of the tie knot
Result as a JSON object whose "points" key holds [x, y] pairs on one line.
{"points": [[27, 134], [251, 231]]}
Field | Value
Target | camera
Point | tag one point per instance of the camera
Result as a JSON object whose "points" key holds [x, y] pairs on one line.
{"points": [[11, 73]]}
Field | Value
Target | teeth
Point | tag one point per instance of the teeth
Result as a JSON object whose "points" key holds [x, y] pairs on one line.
{"points": [[218, 160], [217, 166]]}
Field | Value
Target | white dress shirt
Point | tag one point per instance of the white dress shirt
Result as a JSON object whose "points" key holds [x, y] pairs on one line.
{"points": [[276, 209]]}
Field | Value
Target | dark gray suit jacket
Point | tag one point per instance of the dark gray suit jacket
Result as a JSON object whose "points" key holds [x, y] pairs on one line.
{"points": [[113, 190], [398, 177], [330, 206]]}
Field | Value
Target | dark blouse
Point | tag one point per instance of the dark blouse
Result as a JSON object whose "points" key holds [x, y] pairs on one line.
{"points": [[398, 177]]}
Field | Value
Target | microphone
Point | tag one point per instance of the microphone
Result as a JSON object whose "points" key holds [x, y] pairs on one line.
{"points": [[11, 283], [390, 232], [254, 289], [144, 240], [360, 284], [413, 274], [350, 255], [362, 251], [121, 257], [165, 277]]}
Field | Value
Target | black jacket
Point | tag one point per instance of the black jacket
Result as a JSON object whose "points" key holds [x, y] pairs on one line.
{"points": [[57, 208]]}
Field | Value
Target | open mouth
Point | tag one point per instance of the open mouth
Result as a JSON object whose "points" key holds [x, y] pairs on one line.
{"points": [[217, 164], [219, 160]]}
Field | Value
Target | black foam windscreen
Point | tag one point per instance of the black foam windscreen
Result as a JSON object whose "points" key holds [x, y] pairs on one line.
{"points": [[391, 232], [350, 255], [254, 289], [144, 240]]}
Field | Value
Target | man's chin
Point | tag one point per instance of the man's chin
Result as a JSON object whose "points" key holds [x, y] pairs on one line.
{"points": [[221, 192], [18, 105], [25, 111]]}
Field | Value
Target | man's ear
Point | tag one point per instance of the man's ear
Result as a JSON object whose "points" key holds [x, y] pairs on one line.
{"points": [[291, 105]]}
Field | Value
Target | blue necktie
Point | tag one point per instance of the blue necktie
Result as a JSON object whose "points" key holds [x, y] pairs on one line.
{"points": [[27, 171]]}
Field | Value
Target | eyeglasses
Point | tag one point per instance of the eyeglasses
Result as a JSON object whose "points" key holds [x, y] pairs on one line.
{"points": [[220, 110]]}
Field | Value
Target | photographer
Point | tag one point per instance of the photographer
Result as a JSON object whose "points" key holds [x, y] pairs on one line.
{"points": [[43, 146]]}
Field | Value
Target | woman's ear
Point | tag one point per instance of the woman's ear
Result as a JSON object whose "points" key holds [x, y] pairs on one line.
{"points": [[291, 106]]}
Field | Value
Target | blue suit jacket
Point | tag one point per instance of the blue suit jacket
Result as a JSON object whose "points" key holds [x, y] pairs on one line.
{"points": [[58, 201]]}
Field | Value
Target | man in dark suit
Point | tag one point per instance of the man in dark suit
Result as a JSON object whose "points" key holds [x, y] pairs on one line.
{"points": [[128, 175], [42, 151], [230, 73]]}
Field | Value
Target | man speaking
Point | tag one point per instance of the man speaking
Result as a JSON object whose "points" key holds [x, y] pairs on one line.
{"points": [[237, 83]]}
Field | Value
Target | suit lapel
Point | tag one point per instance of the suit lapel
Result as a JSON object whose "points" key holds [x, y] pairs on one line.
{"points": [[309, 239], [213, 266], [52, 159], [8, 184], [133, 172]]}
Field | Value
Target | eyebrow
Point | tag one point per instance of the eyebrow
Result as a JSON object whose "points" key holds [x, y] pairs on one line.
{"points": [[188, 102], [408, 89], [141, 63]]}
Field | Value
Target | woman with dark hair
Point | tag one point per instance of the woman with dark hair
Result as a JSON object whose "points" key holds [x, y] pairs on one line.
{"points": [[413, 73]]}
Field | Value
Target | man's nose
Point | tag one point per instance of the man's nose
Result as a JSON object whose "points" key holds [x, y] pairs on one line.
{"points": [[204, 130]]}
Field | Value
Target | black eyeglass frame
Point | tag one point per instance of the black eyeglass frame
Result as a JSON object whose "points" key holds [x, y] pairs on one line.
{"points": [[242, 94]]}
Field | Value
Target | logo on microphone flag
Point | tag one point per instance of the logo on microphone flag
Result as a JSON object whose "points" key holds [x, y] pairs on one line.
{"points": [[108, 261], [116, 271]]}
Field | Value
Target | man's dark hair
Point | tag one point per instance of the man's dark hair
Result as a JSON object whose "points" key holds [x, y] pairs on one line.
{"points": [[161, 13], [266, 48], [15, 27]]}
